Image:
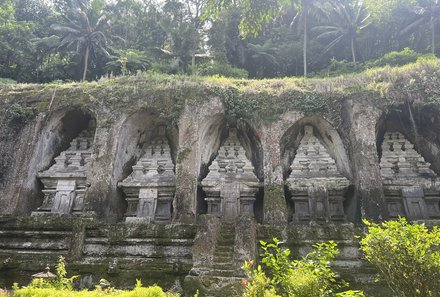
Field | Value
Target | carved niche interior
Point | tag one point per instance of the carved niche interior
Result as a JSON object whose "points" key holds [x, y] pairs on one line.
{"points": [[411, 188], [231, 184], [317, 187], [150, 188], [65, 181]]}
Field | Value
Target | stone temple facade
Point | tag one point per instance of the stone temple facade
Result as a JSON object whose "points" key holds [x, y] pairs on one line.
{"points": [[182, 201], [411, 188]]}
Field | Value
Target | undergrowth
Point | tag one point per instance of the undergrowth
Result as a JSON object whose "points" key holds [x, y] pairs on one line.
{"points": [[251, 100], [61, 286]]}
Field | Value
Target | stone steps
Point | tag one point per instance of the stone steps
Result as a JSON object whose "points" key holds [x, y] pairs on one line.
{"points": [[222, 259], [222, 278], [225, 247], [223, 265], [226, 239], [222, 272]]}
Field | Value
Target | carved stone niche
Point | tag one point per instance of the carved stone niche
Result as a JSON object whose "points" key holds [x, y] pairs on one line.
{"points": [[150, 188], [411, 188], [231, 184], [317, 187], [65, 181]]}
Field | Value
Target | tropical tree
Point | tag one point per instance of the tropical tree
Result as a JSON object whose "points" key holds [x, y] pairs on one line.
{"points": [[347, 20], [263, 58], [128, 61], [84, 28], [304, 9], [257, 13], [17, 55], [138, 23], [427, 12]]}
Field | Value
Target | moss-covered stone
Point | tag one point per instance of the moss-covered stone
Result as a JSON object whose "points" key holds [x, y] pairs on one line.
{"points": [[275, 210]]}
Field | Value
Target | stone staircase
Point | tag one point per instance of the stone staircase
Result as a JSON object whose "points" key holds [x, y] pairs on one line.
{"points": [[223, 278], [223, 264]]}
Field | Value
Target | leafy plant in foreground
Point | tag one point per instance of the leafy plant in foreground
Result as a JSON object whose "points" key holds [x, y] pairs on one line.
{"points": [[310, 276], [406, 255]]}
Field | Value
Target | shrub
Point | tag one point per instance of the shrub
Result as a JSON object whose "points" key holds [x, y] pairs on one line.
{"points": [[153, 291], [336, 68], [261, 285], [6, 81], [62, 287], [222, 69], [406, 255], [310, 276], [395, 58]]}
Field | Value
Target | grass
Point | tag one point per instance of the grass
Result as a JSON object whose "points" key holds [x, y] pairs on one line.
{"points": [[248, 99]]}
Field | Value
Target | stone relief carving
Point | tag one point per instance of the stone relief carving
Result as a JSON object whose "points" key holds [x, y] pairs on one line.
{"points": [[318, 188], [150, 188], [65, 181], [231, 184], [411, 188]]}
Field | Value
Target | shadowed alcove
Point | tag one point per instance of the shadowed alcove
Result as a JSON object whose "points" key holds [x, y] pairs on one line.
{"points": [[214, 133], [327, 142], [62, 126], [137, 131]]}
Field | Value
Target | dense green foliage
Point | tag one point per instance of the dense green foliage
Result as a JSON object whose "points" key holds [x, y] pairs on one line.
{"points": [[255, 101], [393, 59], [138, 291], [406, 255], [61, 286], [43, 41], [310, 276]]}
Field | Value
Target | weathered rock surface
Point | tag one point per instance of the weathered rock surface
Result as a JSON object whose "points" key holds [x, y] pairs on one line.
{"points": [[203, 195]]}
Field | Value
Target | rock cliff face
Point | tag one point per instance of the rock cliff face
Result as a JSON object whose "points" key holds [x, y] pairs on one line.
{"points": [[131, 183]]}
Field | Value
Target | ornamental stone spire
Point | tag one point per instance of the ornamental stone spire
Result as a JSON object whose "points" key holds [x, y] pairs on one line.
{"points": [[150, 188], [317, 187], [411, 188], [65, 181], [231, 184]]}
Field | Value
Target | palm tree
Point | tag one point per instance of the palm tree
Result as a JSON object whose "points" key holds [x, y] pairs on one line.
{"points": [[257, 13], [84, 28], [349, 18], [265, 54], [305, 8], [427, 11]]}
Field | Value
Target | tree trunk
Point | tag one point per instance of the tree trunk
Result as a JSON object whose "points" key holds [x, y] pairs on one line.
{"points": [[86, 63], [305, 12], [193, 63], [353, 51], [433, 34]]}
